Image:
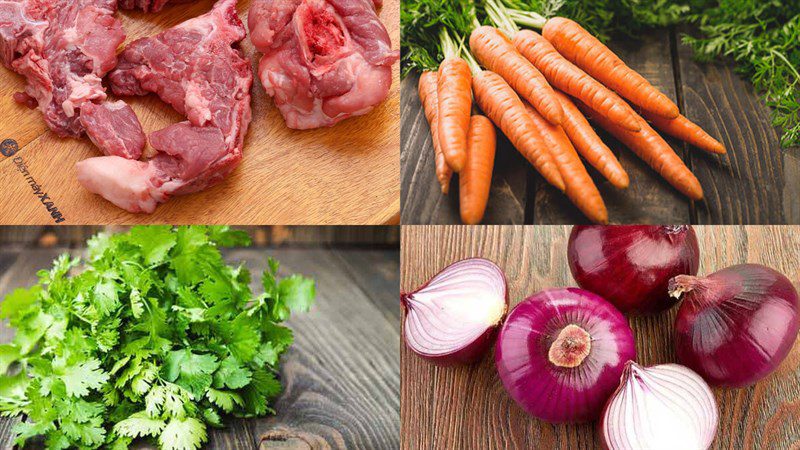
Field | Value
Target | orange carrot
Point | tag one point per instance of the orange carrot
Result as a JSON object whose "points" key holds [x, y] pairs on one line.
{"points": [[589, 144], [455, 105], [427, 94], [567, 77], [685, 130], [581, 190], [495, 52], [476, 178], [583, 49], [654, 150], [502, 105]]}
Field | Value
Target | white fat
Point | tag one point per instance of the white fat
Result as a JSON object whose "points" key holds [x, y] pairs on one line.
{"points": [[196, 103], [82, 89]]}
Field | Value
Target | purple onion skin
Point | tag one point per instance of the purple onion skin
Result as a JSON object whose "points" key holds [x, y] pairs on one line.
{"points": [[469, 354], [550, 392], [737, 325], [631, 265]]}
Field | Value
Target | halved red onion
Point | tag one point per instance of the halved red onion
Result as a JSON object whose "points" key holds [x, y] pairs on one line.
{"points": [[561, 352], [452, 318], [736, 325], [630, 265], [661, 407]]}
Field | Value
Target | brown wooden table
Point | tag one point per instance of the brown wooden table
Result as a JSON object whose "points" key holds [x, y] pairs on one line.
{"points": [[467, 407], [341, 377], [756, 183]]}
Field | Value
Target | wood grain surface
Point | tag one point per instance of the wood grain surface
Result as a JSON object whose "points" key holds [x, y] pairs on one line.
{"points": [[348, 174], [467, 407], [341, 377], [756, 183]]}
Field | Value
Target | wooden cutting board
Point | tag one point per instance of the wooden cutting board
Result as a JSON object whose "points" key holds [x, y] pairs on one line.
{"points": [[348, 174]]}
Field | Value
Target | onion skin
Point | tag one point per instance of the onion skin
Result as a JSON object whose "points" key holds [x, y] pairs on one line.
{"points": [[631, 265], [549, 391], [464, 352], [661, 407], [737, 325]]}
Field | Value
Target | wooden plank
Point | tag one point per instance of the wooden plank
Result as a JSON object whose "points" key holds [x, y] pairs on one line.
{"points": [[434, 400], [341, 377], [345, 174], [752, 184], [377, 274], [422, 199]]}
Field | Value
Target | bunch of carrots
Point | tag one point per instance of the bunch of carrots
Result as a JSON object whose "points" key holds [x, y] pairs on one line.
{"points": [[539, 89]]}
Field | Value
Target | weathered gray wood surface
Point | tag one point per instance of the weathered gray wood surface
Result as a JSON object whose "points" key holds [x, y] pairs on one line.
{"points": [[756, 183], [467, 407], [341, 377]]}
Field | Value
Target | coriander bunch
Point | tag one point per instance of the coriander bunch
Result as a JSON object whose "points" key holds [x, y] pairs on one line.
{"points": [[153, 335]]}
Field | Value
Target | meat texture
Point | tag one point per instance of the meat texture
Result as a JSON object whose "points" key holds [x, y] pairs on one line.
{"points": [[195, 68], [63, 48], [324, 60], [114, 128]]}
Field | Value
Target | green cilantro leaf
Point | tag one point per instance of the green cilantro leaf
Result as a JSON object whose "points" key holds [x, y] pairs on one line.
{"points": [[297, 292], [183, 434], [79, 378], [139, 425], [152, 337]]}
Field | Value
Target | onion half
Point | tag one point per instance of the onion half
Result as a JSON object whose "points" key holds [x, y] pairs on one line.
{"points": [[661, 407], [561, 352], [735, 326], [452, 318], [631, 265]]}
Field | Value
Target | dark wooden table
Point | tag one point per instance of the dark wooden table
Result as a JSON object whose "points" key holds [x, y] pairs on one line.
{"points": [[467, 407], [756, 183], [341, 377]]}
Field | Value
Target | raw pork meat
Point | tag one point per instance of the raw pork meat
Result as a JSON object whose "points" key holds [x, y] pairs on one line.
{"points": [[114, 128], [324, 60], [194, 68], [63, 48]]}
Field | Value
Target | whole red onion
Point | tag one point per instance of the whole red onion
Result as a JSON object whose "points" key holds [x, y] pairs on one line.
{"points": [[561, 352], [630, 265], [736, 325], [452, 318]]}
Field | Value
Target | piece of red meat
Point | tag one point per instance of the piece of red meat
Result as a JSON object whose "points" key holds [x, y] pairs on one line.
{"points": [[114, 128], [63, 48], [195, 68], [324, 60]]}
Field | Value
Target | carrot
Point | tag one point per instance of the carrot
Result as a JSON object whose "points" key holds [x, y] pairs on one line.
{"points": [[495, 52], [455, 105], [476, 178], [502, 105], [583, 49], [685, 130], [581, 190], [589, 144], [427, 94], [654, 150], [567, 77]]}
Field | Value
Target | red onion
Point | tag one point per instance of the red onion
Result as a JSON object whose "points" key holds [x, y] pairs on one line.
{"points": [[561, 352], [452, 318], [630, 265], [661, 407], [735, 326]]}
